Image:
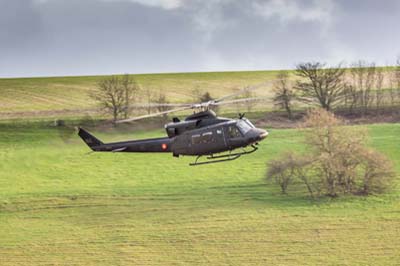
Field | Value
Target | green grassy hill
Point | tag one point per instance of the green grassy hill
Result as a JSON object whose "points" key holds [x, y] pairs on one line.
{"points": [[68, 97], [26, 97], [60, 205]]}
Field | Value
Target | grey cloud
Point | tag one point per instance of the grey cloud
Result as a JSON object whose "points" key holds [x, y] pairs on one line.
{"points": [[71, 37]]}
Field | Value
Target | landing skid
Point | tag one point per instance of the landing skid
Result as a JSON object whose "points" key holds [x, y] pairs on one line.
{"points": [[223, 158]]}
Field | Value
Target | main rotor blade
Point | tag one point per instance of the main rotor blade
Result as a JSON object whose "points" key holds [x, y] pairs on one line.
{"points": [[246, 89], [155, 105], [153, 115], [187, 106], [242, 100]]}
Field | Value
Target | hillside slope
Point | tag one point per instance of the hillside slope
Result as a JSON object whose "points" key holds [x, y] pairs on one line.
{"points": [[25, 97]]}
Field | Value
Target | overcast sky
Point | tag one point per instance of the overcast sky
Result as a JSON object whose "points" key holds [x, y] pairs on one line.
{"points": [[89, 37]]}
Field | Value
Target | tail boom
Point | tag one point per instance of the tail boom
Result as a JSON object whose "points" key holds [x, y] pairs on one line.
{"points": [[145, 145]]}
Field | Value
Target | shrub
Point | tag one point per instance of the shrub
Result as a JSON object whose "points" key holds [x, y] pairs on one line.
{"points": [[288, 167], [282, 170], [339, 161], [377, 175]]}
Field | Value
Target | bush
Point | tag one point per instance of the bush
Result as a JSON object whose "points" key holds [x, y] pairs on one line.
{"points": [[339, 161], [282, 171], [287, 168], [377, 172]]}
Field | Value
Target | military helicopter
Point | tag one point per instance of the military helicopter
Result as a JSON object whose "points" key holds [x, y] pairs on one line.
{"points": [[200, 134]]}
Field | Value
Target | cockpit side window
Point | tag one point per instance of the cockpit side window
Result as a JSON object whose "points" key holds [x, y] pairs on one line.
{"points": [[243, 126], [233, 132]]}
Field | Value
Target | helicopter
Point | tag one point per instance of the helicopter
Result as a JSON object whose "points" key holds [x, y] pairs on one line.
{"points": [[202, 134]]}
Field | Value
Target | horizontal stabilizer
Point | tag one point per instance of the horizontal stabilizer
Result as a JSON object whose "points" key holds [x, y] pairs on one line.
{"points": [[120, 149]]}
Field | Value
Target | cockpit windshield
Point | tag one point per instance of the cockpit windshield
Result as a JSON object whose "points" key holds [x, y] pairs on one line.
{"points": [[248, 122], [243, 126]]}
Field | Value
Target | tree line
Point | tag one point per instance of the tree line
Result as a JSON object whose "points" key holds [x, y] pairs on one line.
{"points": [[357, 89]]}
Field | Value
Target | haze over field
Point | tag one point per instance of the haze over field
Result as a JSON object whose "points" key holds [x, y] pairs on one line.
{"points": [[64, 37]]}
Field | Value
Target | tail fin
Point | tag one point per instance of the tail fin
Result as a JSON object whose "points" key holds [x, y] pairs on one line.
{"points": [[89, 139]]}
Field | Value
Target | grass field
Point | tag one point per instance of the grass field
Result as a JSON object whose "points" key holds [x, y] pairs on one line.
{"points": [[62, 206], [25, 96]]}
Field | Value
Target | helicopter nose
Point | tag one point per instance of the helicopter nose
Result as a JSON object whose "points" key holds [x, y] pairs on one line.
{"points": [[263, 134], [256, 135]]}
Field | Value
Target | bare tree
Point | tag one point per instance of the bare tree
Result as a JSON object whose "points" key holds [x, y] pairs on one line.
{"points": [[392, 89], [370, 80], [284, 93], [379, 93], [161, 99], [131, 88], [113, 94], [206, 97], [350, 97], [394, 84], [397, 78], [249, 105], [149, 96], [320, 85], [363, 79], [196, 94]]}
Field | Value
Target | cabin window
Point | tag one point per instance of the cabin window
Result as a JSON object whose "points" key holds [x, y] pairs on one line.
{"points": [[196, 139], [206, 137], [233, 132]]}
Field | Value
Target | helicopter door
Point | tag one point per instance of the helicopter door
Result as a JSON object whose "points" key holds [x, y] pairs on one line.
{"points": [[202, 142], [233, 136], [219, 143]]}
